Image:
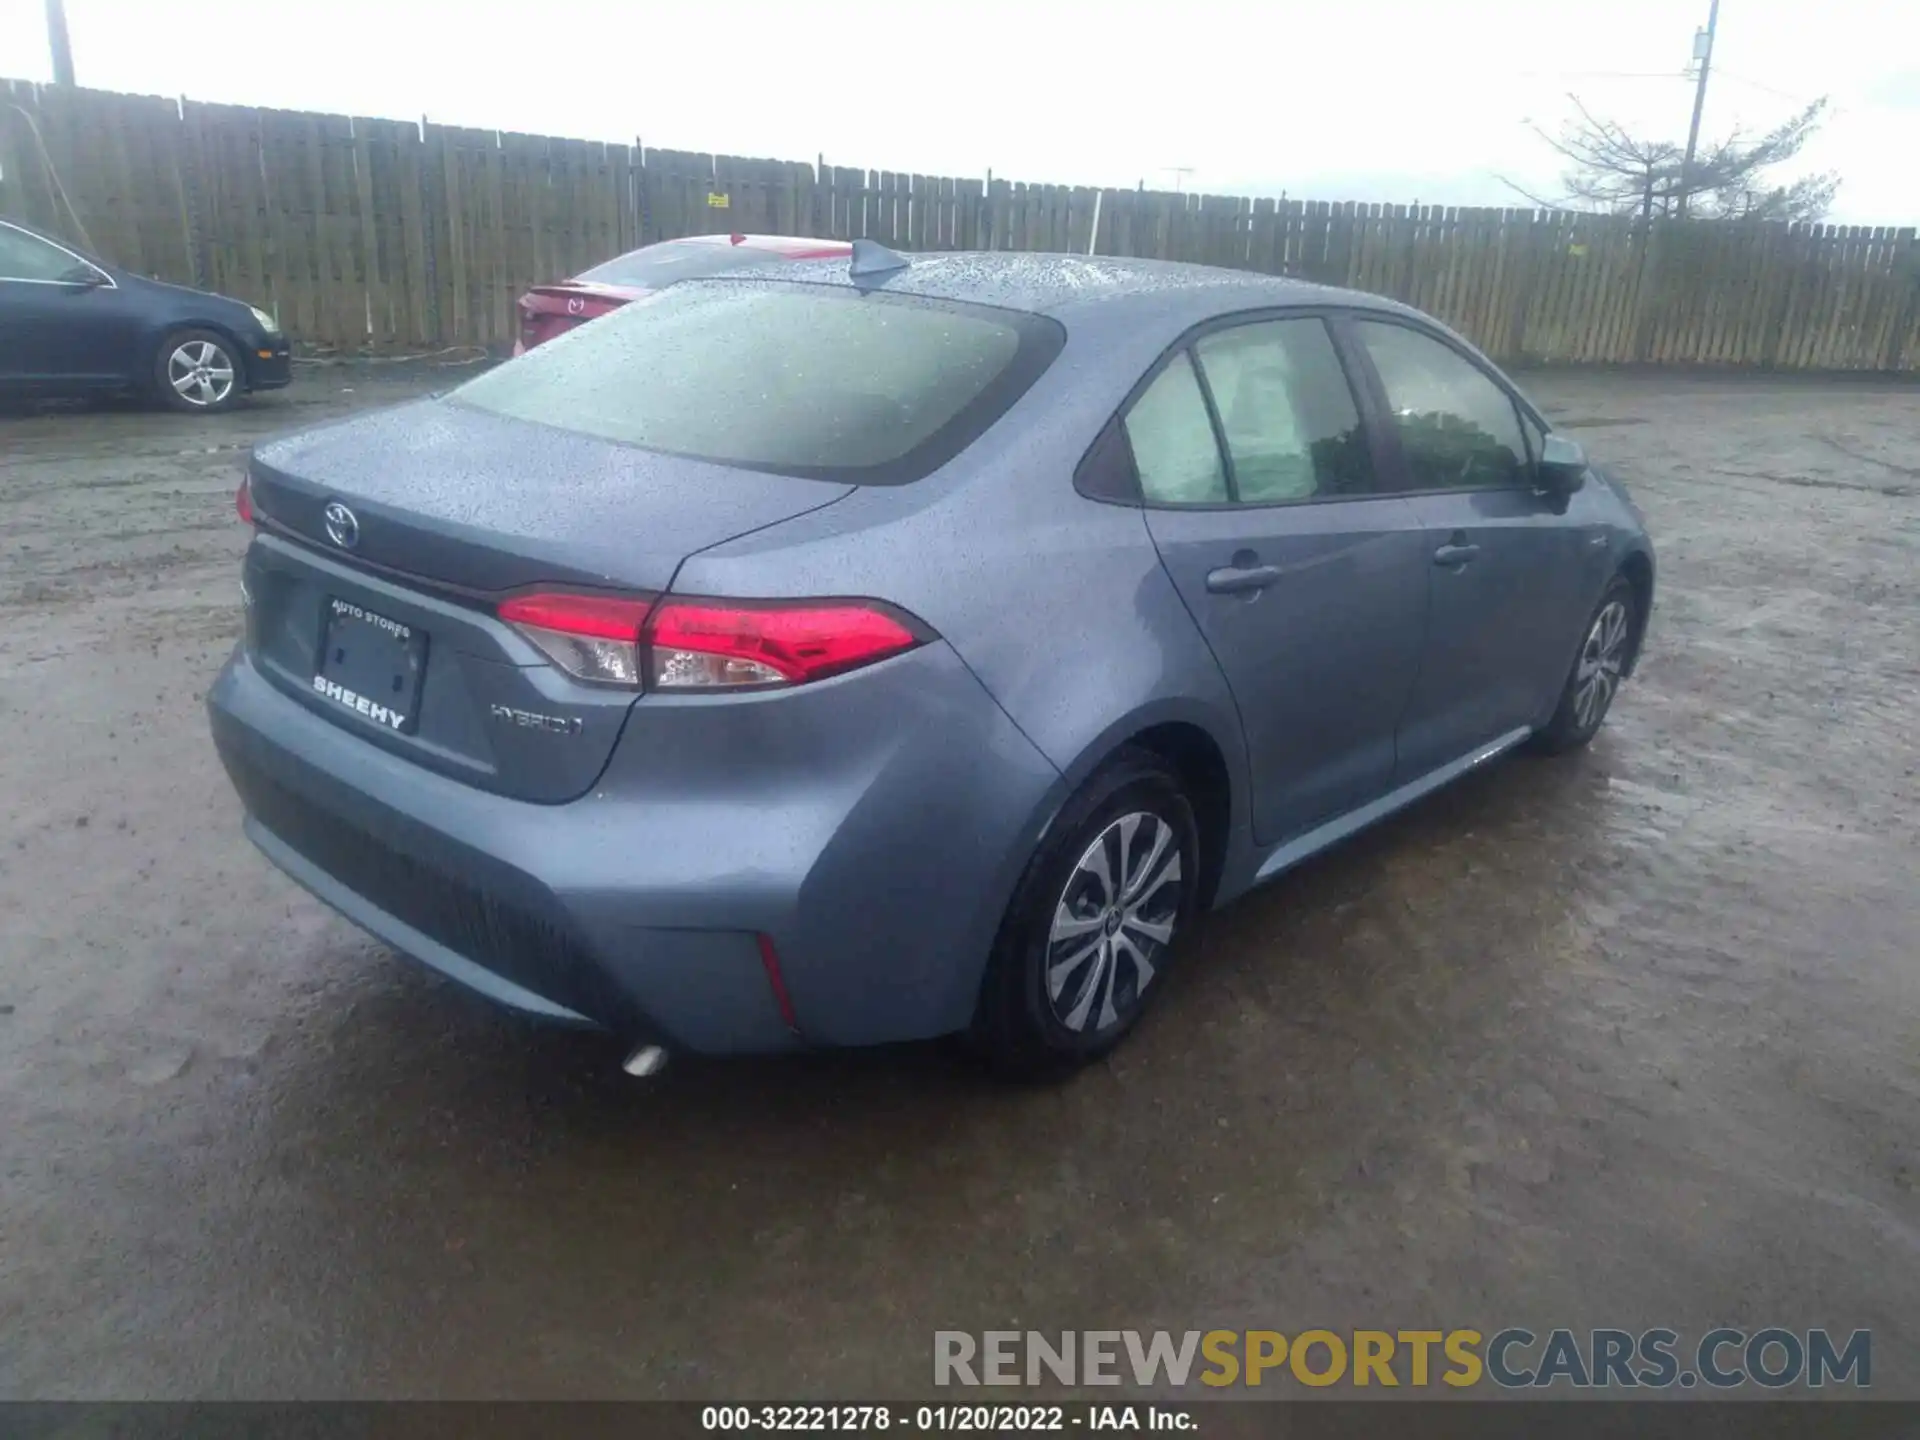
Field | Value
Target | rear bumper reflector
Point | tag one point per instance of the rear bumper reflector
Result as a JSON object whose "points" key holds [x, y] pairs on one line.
{"points": [[776, 982]]}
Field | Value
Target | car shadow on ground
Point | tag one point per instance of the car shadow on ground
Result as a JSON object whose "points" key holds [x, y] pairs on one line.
{"points": [[1316, 1043]]}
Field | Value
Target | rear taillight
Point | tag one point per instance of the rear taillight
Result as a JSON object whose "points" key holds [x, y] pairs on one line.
{"points": [[529, 325], [591, 637], [709, 644], [714, 644], [243, 501]]}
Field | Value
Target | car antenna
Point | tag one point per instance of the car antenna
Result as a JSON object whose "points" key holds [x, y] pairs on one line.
{"points": [[870, 257]]}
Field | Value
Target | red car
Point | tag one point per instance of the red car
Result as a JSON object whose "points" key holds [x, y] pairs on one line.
{"points": [[547, 310]]}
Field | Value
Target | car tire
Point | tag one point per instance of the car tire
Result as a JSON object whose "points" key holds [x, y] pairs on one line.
{"points": [[1077, 960], [1594, 678], [199, 371]]}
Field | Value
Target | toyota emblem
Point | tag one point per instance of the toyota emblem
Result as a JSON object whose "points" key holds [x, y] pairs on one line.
{"points": [[342, 528], [575, 305]]}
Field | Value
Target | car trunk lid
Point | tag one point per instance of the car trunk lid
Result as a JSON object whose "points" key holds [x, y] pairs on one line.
{"points": [[550, 310], [482, 502], [385, 621]]}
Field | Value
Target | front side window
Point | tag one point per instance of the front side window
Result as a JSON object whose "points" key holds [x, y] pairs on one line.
{"points": [[1174, 449], [1291, 427], [811, 380], [28, 257], [1458, 430]]}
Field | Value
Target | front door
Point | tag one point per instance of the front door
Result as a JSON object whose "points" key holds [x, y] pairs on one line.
{"points": [[1310, 588], [1504, 563], [62, 322]]}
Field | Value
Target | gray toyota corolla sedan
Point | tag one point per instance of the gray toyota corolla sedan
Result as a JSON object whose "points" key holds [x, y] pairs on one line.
{"points": [[882, 650]]}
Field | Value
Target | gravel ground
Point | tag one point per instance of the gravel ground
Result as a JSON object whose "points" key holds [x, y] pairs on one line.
{"points": [[1623, 1039]]}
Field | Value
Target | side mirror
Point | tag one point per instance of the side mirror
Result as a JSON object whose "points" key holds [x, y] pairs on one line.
{"points": [[84, 277], [1563, 466]]}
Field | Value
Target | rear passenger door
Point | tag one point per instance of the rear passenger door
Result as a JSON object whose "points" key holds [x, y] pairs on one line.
{"points": [[1504, 561], [1256, 469]]}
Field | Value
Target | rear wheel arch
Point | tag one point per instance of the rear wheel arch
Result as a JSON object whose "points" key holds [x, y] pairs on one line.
{"points": [[1195, 756], [1204, 764]]}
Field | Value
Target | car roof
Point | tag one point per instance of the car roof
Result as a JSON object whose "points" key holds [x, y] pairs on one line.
{"points": [[1076, 286]]}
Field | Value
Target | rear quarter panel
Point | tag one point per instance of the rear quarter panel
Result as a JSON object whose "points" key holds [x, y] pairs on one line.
{"points": [[1058, 603]]}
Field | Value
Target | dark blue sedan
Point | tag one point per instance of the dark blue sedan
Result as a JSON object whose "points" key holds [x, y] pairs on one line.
{"points": [[72, 326]]}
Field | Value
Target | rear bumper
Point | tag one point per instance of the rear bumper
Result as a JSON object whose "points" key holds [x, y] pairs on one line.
{"points": [[879, 873], [367, 914]]}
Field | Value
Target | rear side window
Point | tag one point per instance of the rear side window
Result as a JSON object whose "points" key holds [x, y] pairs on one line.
{"points": [[811, 380], [1174, 449], [653, 267], [1288, 416]]}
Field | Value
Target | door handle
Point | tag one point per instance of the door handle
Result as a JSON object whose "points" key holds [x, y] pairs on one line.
{"points": [[1453, 557], [1241, 579]]}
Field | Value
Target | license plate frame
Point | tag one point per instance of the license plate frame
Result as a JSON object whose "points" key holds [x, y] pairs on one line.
{"points": [[370, 666]]}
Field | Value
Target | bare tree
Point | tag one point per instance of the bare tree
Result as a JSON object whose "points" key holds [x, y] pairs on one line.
{"points": [[1611, 169]]}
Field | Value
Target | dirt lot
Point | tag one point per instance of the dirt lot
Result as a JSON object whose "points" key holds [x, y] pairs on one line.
{"points": [[1627, 1039]]}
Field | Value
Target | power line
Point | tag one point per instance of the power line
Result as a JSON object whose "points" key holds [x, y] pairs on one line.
{"points": [[1600, 75], [1796, 97]]}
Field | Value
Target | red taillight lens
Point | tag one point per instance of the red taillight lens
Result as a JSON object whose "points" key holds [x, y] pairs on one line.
{"points": [[710, 644], [591, 637], [603, 617], [243, 501], [707, 644]]}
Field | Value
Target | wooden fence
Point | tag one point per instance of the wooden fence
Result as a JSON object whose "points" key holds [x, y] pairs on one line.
{"points": [[394, 236]]}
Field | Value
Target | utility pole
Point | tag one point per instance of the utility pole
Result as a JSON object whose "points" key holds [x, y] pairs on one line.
{"points": [[1703, 52], [57, 42]]}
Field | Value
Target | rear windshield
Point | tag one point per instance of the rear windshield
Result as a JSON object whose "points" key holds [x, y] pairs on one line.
{"points": [[657, 266], [811, 380]]}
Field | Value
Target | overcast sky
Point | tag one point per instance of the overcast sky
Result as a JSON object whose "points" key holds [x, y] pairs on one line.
{"points": [[1398, 100]]}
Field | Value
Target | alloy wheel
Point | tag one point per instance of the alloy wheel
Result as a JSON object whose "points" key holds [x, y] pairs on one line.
{"points": [[200, 372], [1113, 922], [1597, 676]]}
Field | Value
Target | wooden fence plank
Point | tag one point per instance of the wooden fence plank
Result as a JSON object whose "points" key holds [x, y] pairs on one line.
{"points": [[388, 235], [380, 318]]}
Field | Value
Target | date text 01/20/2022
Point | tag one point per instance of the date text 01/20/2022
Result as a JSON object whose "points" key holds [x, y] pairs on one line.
{"points": [[979, 1419]]}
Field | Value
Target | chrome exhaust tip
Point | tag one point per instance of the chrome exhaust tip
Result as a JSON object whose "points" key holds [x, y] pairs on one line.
{"points": [[645, 1061]]}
